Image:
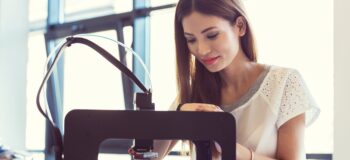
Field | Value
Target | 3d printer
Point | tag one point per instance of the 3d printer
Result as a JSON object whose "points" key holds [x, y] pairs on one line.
{"points": [[86, 129]]}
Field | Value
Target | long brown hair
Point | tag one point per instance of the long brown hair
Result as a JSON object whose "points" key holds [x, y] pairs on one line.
{"points": [[195, 82]]}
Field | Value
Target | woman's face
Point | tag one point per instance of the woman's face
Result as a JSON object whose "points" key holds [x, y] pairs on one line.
{"points": [[213, 40]]}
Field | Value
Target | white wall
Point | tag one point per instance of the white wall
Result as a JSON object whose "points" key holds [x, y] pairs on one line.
{"points": [[341, 79], [299, 38], [13, 57]]}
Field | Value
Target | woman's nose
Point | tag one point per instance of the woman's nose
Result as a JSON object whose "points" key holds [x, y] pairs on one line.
{"points": [[203, 48]]}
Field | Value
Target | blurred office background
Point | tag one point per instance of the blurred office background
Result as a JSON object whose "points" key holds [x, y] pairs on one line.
{"points": [[307, 35]]}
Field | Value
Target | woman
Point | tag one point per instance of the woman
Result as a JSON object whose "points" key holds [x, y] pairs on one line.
{"points": [[217, 71]]}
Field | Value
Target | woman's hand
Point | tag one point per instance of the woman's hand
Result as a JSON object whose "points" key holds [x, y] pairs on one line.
{"points": [[202, 107], [242, 152]]}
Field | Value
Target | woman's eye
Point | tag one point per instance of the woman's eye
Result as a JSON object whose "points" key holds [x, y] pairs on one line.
{"points": [[190, 40], [212, 36]]}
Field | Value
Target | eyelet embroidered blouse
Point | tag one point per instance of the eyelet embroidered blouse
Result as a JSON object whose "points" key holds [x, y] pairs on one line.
{"points": [[279, 95]]}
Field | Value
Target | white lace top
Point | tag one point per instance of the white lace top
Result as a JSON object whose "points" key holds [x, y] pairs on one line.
{"points": [[280, 95]]}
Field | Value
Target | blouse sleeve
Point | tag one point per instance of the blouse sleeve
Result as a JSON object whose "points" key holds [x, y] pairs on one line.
{"points": [[296, 100]]}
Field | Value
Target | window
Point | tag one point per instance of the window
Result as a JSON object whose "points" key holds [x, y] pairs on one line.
{"points": [[35, 131], [155, 3], [37, 57], [90, 82], [83, 9], [163, 58], [37, 10], [35, 127]]}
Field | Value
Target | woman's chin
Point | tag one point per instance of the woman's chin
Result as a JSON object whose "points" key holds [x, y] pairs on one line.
{"points": [[213, 69]]}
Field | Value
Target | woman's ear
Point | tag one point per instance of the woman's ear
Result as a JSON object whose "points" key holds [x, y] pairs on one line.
{"points": [[241, 23]]}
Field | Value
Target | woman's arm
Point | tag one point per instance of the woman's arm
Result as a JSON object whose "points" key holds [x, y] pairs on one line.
{"points": [[290, 140], [163, 147], [290, 143]]}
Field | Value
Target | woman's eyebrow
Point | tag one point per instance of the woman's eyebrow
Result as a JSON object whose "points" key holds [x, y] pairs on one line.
{"points": [[189, 34], [207, 29], [204, 30]]}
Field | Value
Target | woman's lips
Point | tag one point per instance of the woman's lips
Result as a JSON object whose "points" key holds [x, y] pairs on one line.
{"points": [[210, 61]]}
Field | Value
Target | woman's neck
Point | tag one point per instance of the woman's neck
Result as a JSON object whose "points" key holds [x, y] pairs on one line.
{"points": [[238, 78], [238, 73]]}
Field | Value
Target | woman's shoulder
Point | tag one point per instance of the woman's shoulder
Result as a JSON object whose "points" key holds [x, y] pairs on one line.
{"points": [[275, 83], [279, 76], [279, 71]]}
